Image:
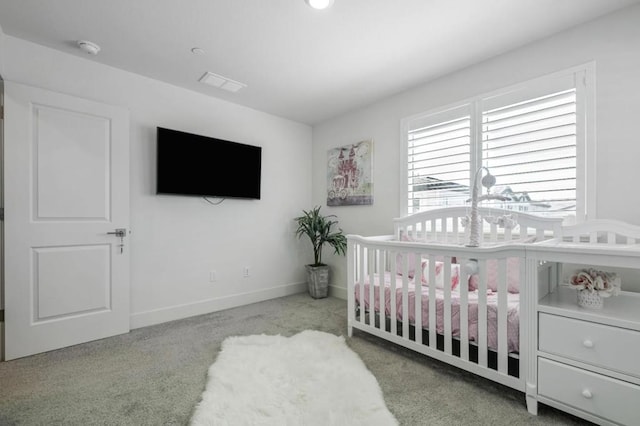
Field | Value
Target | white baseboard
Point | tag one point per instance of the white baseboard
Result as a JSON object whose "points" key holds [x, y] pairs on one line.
{"points": [[172, 313], [339, 292]]}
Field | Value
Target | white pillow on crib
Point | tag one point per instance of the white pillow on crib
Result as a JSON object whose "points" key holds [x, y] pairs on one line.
{"points": [[455, 274]]}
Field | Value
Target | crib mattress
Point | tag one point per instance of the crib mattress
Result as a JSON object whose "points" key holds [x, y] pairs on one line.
{"points": [[513, 312]]}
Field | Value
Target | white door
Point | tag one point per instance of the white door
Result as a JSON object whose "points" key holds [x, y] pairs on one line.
{"points": [[66, 188]]}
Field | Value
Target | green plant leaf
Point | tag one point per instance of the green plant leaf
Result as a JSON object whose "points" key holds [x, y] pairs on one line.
{"points": [[319, 229]]}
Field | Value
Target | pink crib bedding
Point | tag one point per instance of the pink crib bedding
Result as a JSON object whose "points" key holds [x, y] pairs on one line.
{"points": [[513, 331]]}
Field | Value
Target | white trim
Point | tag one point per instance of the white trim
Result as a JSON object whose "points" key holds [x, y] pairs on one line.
{"points": [[172, 313], [404, 170], [590, 142], [537, 80]]}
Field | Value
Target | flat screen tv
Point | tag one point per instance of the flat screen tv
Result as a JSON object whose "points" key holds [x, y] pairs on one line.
{"points": [[190, 164]]}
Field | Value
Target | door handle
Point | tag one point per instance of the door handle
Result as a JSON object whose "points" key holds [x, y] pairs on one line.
{"points": [[119, 232]]}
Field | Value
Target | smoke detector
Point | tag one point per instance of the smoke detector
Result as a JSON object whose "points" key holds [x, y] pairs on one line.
{"points": [[88, 47]]}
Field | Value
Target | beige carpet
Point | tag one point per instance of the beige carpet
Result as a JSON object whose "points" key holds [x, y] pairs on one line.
{"points": [[156, 375]]}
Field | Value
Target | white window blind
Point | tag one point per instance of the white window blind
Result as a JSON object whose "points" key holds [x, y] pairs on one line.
{"points": [[439, 163], [530, 147], [529, 137], [439, 159]]}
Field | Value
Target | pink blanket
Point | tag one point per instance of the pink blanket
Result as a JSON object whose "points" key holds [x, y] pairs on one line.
{"points": [[513, 331]]}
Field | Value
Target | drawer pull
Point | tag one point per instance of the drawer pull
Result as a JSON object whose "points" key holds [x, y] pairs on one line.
{"points": [[587, 343], [587, 394]]}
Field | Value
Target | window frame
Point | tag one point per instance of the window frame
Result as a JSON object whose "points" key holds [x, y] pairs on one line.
{"points": [[584, 76]]}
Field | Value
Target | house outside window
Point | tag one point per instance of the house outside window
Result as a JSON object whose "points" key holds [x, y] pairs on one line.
{"points": [[535, 138]]}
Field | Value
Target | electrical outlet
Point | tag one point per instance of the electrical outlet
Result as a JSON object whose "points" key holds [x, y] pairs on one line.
{"points": [[246, 272], [213, 276]]}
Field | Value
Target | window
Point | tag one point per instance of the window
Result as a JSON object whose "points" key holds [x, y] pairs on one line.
{"points": [[532, 138]]}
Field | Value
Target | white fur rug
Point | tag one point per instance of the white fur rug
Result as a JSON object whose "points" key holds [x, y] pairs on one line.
{"points": [[312, 378]]}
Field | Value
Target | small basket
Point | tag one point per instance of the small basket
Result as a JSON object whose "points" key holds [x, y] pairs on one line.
{"points": [[589, 299]]}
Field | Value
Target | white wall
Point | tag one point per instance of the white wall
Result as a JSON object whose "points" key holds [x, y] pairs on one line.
{"points": [[176, 241], [2, 36], [612, 42]]}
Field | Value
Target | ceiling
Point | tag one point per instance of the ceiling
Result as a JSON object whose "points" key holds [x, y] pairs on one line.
{"points": [[299, 63]]}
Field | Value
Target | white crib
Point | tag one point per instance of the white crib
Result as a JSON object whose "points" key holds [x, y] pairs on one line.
{"points": [[422, 288], [503, 310]]}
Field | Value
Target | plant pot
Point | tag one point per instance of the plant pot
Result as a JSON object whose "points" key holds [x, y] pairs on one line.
{"points": [[318, 281], [589, 299]]}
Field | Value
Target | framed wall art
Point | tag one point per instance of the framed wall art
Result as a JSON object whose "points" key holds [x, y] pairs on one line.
{"points": [[350, 175]]}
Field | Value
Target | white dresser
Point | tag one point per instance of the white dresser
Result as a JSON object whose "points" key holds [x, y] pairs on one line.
{"points": [[587, 361]]}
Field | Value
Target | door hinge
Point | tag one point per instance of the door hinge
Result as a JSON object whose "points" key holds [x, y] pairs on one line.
{"points": [[1, 315], [2, 213], [1, 112]]}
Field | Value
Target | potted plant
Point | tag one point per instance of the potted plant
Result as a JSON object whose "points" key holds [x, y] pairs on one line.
{"points": [[319, 230]]}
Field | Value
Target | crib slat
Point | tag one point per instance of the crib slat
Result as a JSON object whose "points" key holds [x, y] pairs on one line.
{"points": [[502, 316], [393, 314], [456, 237], [464, 310], [417, 279], [447, 230], [494, 232], [482, 314], [382, 289], [363, 278], [434, 229], [447, 304], [443, 229], [432, 301], [611, 237], [507, 234], [405, 297], [372, 285]]}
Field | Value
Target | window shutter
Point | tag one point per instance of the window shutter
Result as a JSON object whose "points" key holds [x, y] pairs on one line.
{"points": [[530, 147], [439, 159], [531, 136]]}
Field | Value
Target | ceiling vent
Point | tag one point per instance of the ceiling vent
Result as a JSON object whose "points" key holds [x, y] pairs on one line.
{"points": [[221, 82]]}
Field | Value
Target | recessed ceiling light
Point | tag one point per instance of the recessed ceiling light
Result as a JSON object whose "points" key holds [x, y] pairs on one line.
{"points": [[319, 4], [88, 47], [197, 51]]}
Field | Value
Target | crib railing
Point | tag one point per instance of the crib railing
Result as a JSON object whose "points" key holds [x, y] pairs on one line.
{"points": [[373, 261], [602, 231], [450, 225]]}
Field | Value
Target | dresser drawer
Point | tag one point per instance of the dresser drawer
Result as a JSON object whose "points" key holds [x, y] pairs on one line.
{"points": [[599, 395], [601, 345]]}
